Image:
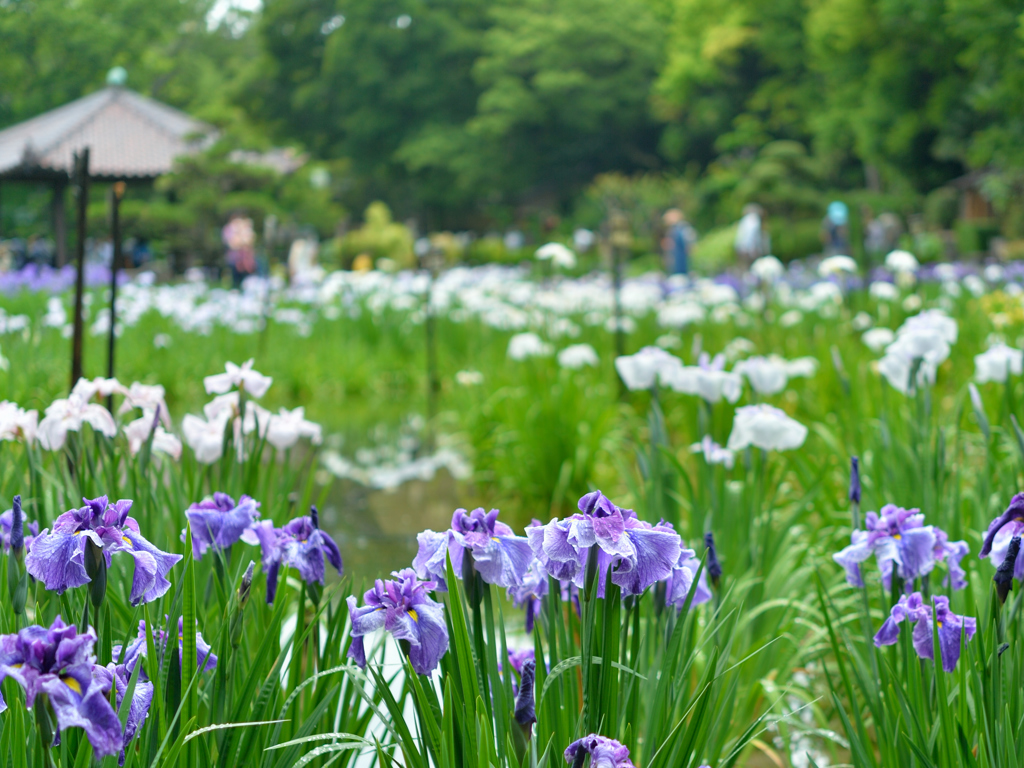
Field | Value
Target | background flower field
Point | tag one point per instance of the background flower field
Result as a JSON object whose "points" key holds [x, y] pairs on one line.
{"points": [[698, 426]]}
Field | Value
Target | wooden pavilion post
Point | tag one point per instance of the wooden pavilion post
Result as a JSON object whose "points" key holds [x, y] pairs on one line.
{"points": [[82, 184]]}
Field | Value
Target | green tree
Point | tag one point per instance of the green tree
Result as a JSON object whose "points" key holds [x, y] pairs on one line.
{"points": [[890, 87], [566, 96], [366, 79], [734, 77], [55, 51]]}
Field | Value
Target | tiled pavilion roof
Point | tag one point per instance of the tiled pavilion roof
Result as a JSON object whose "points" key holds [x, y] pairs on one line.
{"points": [[129, 136]]}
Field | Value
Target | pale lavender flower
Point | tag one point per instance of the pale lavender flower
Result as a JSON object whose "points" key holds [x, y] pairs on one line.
{"points": [[218, 522], [951, 627], [499, 556], [403, 607], [299, 543], [58, 663], [57, 557], [603, 752], [637, 553]]}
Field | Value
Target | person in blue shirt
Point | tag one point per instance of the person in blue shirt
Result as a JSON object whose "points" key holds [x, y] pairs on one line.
{"points": [[678, 236]]}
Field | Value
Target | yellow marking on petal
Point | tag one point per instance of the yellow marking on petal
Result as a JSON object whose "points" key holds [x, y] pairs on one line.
{"points": [[415, 616], [73, 684], [939, 623], [897, 536], [17, 666], [495, 538], [126, 540]]}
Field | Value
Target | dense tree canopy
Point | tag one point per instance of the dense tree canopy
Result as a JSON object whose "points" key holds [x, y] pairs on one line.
{"points": [[465, 112]]}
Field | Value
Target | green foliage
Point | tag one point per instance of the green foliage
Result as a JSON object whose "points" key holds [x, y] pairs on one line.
{"points": [[197, 198], [54, 52], [715, 251], [795, 239], [379, 237]]}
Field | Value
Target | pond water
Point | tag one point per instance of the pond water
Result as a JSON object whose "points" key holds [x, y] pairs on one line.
{"points": [[376, 529]]}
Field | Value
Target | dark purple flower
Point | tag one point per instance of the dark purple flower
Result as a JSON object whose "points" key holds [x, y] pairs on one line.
{"points": [[499, 556], [59, 664], [12, 534], [57, 557], [1001, 531], [205, 660], [524, 713], [950, 628], [403, 608], [299, 543], [855, 480], [119, 676], [898, 538], [1004, 573], [714, 567], [604, 753], [530, 591], [637, 553], [218, 523]]}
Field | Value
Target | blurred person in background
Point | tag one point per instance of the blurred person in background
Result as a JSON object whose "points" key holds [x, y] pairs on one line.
{"points": [[679, 237], [302, 257], [752, 238], [240, 239], [835, 229]]}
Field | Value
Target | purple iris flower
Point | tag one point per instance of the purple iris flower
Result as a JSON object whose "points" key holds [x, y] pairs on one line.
{"points": [[951, 553], [119, 676], [57, 557], [680, 582], [58, 663], [299, 543], [136, 649], [516, 659], [499, 556], [529, 593], [7, 520], [218, 523], [950, 627], [402, 607], [1001, 531], [604, 753], [637, 553], [899, 539]]}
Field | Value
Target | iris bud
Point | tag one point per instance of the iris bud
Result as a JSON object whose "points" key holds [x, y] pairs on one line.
{"points": [[1004, 573], [855, 480], [17, 576], [713, 566]]}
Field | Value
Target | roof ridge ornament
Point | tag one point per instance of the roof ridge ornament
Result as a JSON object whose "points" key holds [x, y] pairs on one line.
{"points": [[117, 76]]}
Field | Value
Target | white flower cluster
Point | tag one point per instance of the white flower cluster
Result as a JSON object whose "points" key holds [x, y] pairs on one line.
{"points": [[921, 344], [204, 435]]}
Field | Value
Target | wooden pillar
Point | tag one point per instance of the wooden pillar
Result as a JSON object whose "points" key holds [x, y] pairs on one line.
{"points": [[82, 184], [60, 226]]}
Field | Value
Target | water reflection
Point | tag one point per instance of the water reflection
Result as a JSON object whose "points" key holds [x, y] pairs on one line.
{"points": [[376, 530]]}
